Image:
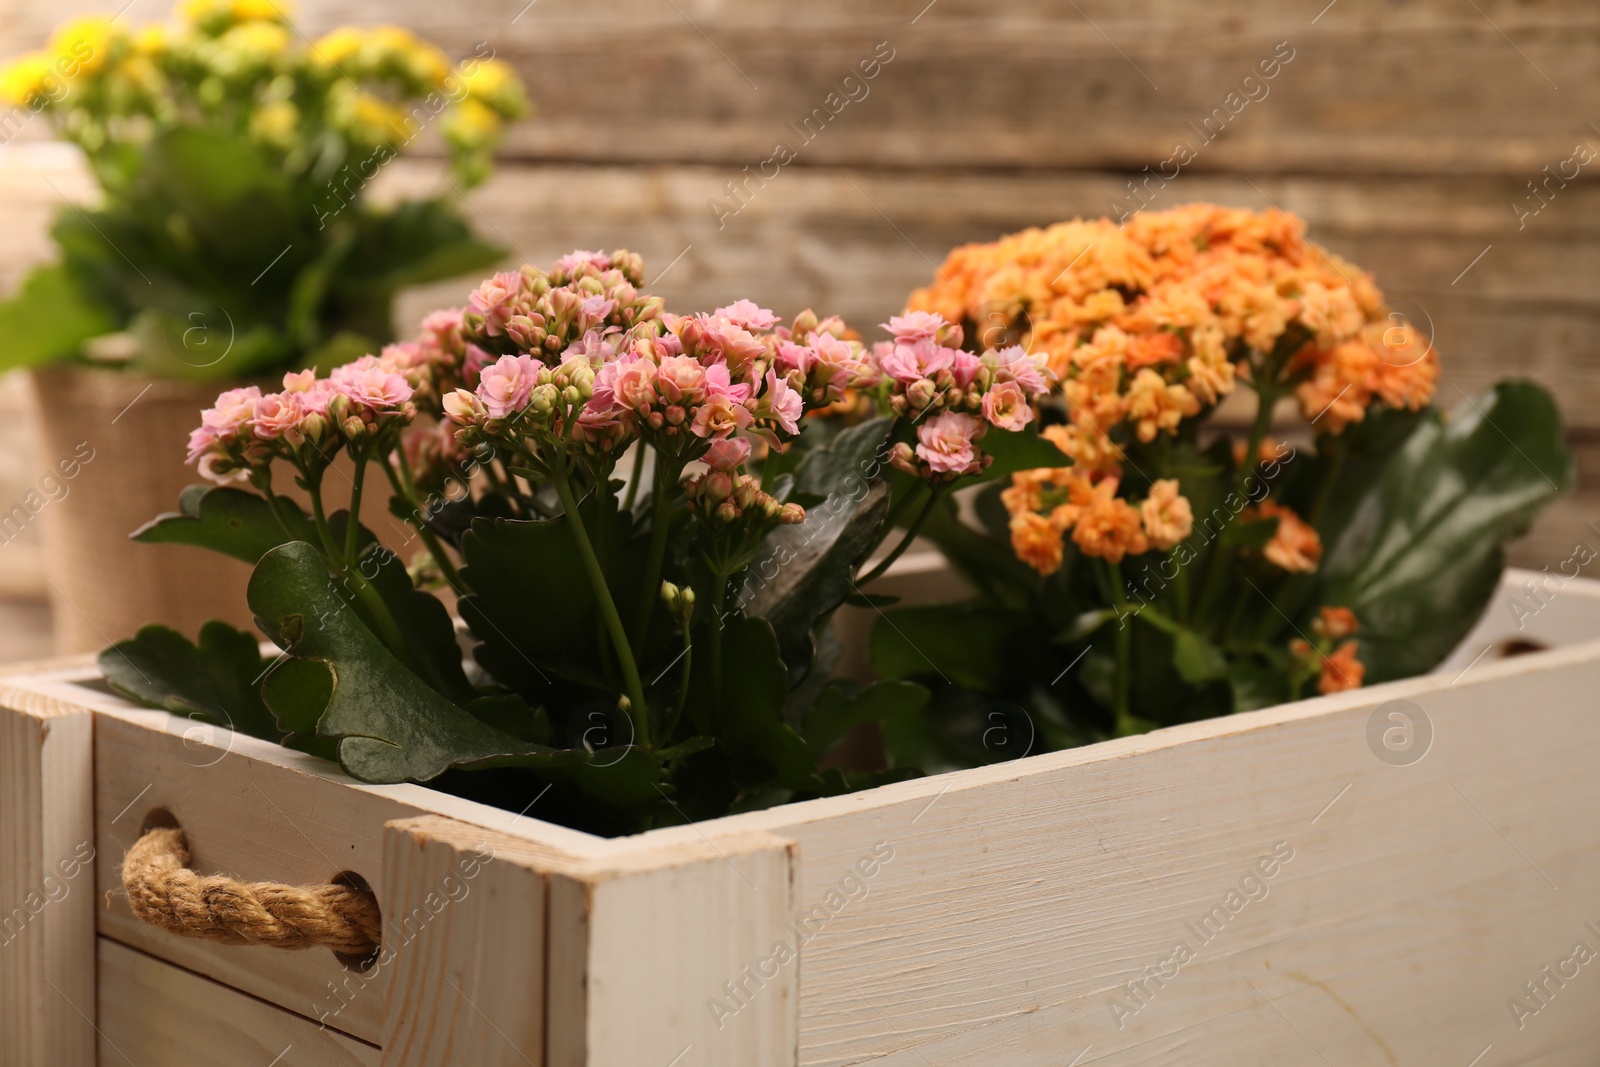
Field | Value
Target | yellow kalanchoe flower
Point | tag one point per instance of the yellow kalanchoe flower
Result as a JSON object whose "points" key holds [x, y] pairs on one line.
{"points": [[338, 46], [495, 83], [82, 45], [29, 77], [472, 124], [151, 40]]}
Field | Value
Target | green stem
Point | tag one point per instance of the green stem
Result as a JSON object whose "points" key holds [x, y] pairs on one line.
{"points": [[683, 688], [403, 488], [1325, 491], [1266, 399], [639, 711], [1124, 639], [719, 594], [319, 519], [634, 478], [352, 529], [660, 529], [905, 542]]}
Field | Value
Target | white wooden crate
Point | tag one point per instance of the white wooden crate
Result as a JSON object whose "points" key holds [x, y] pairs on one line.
{"points": [[1331, 905]]}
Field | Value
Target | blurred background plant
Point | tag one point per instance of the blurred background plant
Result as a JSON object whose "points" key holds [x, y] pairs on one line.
{"points": [[233, 237]]}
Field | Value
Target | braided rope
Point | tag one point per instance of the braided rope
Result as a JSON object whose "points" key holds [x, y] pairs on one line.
{"points": [[167, 895]]}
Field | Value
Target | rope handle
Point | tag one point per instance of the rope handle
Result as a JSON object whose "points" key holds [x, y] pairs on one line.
{"points": [[167, 895]]}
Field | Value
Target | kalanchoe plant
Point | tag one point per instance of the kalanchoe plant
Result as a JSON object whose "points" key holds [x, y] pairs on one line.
{"points": [[652, 647], [235, 238], [1160, 567]]}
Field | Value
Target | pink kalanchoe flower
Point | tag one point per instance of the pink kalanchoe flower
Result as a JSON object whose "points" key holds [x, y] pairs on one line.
{"points": [[505, 385], [793, 358], [726, 453], [920, 359], [472, 364], [720, 383], [730, 342], [965, 367], [1006, 407], [915, 326], [783, 404], [372, 382], [1014, 364], [847, 369], [302, 381], [634, 382], [720, 416], [277, 414], [496, 301], [946, 443], [201, 441], [682, 380], [232, 410], [593, 311], [748, 314], [593, 348], [579, 258], [440, 333]]}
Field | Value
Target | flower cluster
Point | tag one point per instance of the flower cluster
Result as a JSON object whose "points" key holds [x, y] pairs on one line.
{"points": [[953, 395], [1330, 655], [238, 65], [1047, 503], [580, 354], [308, 421], [1151, 323]]}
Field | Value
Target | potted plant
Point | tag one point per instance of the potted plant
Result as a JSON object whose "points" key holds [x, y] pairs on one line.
{"points": [[634, 799], [234, 239]]}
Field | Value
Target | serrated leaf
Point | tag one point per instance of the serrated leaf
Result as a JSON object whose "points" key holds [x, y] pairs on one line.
{"points": [[231, 521], [216, 680]]}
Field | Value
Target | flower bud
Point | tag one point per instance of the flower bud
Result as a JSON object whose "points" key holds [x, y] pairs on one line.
{"points": [[313, 428], [901, 457], [791, 514], [338, 408], [572, 395], [354, 429], [726, 512], [920, 393], [462, 407], [669, 594], [543, 398]]}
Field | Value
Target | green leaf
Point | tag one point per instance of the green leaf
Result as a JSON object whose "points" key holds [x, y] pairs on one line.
{"points": [[1422, 552], [847, 464], [750, 725], [216, 681], [1196, 659], [415, 242], [969, 644], [805, 571], [231, 521], [837, 712], [390, 725], [532, 606], [1018, 451], [49, 318]]}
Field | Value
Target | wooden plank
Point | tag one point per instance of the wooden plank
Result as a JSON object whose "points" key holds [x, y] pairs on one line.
{"points": [[675, 955], [464, 939], [156, 1015], [1034, 85], [47, 978]]}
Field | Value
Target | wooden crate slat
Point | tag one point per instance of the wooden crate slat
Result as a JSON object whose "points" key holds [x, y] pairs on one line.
{"points": [[153, 1014], [47, 891], [464, 938]]}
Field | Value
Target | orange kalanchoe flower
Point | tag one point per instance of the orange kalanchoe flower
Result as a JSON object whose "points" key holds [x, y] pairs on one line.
{"points": [[1341, 670], [1167, 516], [1109, 527], [1036, 541], [1295, 547], [1335, 623]]}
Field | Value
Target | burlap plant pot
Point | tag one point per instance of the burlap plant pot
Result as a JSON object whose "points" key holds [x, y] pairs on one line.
{"points": [[125, 436], [103, 586]]}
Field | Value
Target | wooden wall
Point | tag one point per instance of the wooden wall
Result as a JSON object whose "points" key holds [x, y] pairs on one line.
{"points": [[1404, 132]]}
